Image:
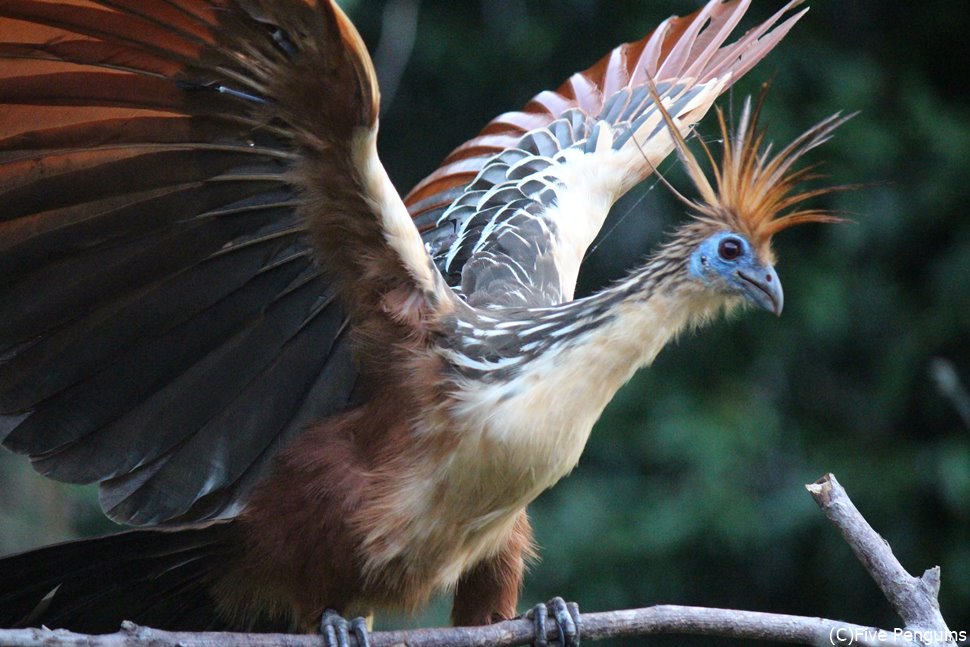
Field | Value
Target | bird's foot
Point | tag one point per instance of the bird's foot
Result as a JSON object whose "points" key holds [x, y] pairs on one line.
{"points": [[336, 630], [566, 616]]}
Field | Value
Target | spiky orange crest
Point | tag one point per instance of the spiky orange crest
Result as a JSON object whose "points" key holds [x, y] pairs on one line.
{"points": [[754, 191]]}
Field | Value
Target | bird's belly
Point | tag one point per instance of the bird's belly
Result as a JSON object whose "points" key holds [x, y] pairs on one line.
{"points": [[442, 518], [437, 531]]}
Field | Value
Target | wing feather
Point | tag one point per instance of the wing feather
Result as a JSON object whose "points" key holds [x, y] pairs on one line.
{"points": [[284, 347], [127, 28], [599, 134], [159, 295]]}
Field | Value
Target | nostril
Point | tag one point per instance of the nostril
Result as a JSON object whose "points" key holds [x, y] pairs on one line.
{"points": [[767, 278]]}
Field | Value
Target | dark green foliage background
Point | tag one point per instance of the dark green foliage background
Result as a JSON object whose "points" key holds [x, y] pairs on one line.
{"points": [[691, 489]]}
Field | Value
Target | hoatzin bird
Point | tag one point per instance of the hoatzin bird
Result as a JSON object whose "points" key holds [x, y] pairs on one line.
{"points": [[319, 398]]}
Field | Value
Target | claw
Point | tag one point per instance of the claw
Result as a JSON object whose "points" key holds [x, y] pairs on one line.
{"points": [[336, 630], [567, 621]]}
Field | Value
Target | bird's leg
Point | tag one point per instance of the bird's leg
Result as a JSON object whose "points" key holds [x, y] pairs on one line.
{"points": [[566, 615], [489, 591], [336, 630]]}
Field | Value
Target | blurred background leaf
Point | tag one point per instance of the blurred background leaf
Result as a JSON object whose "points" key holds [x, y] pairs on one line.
{"points": [[690, 491]]}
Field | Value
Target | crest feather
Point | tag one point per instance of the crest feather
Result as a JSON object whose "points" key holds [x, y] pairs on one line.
{"points": [[754, 190]]}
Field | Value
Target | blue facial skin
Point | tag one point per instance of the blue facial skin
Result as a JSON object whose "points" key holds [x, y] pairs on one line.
{"points": [[727, 263]]}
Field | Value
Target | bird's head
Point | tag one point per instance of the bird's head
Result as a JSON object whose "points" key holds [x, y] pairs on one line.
{"points": [[753, 196], [728, 263]]}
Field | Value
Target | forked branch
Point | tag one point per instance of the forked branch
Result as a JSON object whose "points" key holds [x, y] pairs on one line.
{"points": [[915, 600]]}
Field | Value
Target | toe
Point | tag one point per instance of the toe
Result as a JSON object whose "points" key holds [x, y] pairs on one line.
{"points": [[567, 618], [335, 629], [359, 627]]}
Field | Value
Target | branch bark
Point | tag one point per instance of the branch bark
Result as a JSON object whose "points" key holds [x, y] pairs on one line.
{"points": [[661, 619]]}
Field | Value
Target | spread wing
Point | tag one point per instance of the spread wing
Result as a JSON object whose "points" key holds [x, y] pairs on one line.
{"points": [[164, 323], [510, 214], [176, 177]]}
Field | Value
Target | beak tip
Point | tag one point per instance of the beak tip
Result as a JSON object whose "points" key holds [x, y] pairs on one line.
{"points": [[764, 289], [777, 298], [777, 303]]}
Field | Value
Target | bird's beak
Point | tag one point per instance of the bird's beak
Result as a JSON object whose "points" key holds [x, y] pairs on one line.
{"points": [[760, 284]]}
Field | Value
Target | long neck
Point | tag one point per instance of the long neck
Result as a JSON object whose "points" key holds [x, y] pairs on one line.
{"points": [[617, 330]]}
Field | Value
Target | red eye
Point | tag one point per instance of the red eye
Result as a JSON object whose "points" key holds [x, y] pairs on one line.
{"points": [[730, 249]]}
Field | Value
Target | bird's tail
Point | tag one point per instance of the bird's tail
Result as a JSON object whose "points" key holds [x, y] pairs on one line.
{"points": [[155, 577]]}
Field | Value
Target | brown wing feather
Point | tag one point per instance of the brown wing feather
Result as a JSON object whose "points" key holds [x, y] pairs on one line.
{"points": [[328, 98], [149, 242], [139, 31]]}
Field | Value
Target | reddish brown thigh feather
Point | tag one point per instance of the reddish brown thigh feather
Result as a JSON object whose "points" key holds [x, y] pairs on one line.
{"points": [[298, 552], [490, 591]]}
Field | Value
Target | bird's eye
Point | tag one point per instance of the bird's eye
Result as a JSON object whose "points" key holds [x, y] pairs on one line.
{"points": [[730, 249]]}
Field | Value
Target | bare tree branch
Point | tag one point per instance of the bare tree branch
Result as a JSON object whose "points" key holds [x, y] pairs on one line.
{"points": [[913, 599], [661, 619]]}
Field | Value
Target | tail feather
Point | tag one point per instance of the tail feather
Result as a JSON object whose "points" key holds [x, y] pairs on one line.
{"points": [[159, 578]]}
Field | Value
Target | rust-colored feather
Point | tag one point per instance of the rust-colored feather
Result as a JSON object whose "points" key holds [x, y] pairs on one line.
{"points": [[753, 188]]}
